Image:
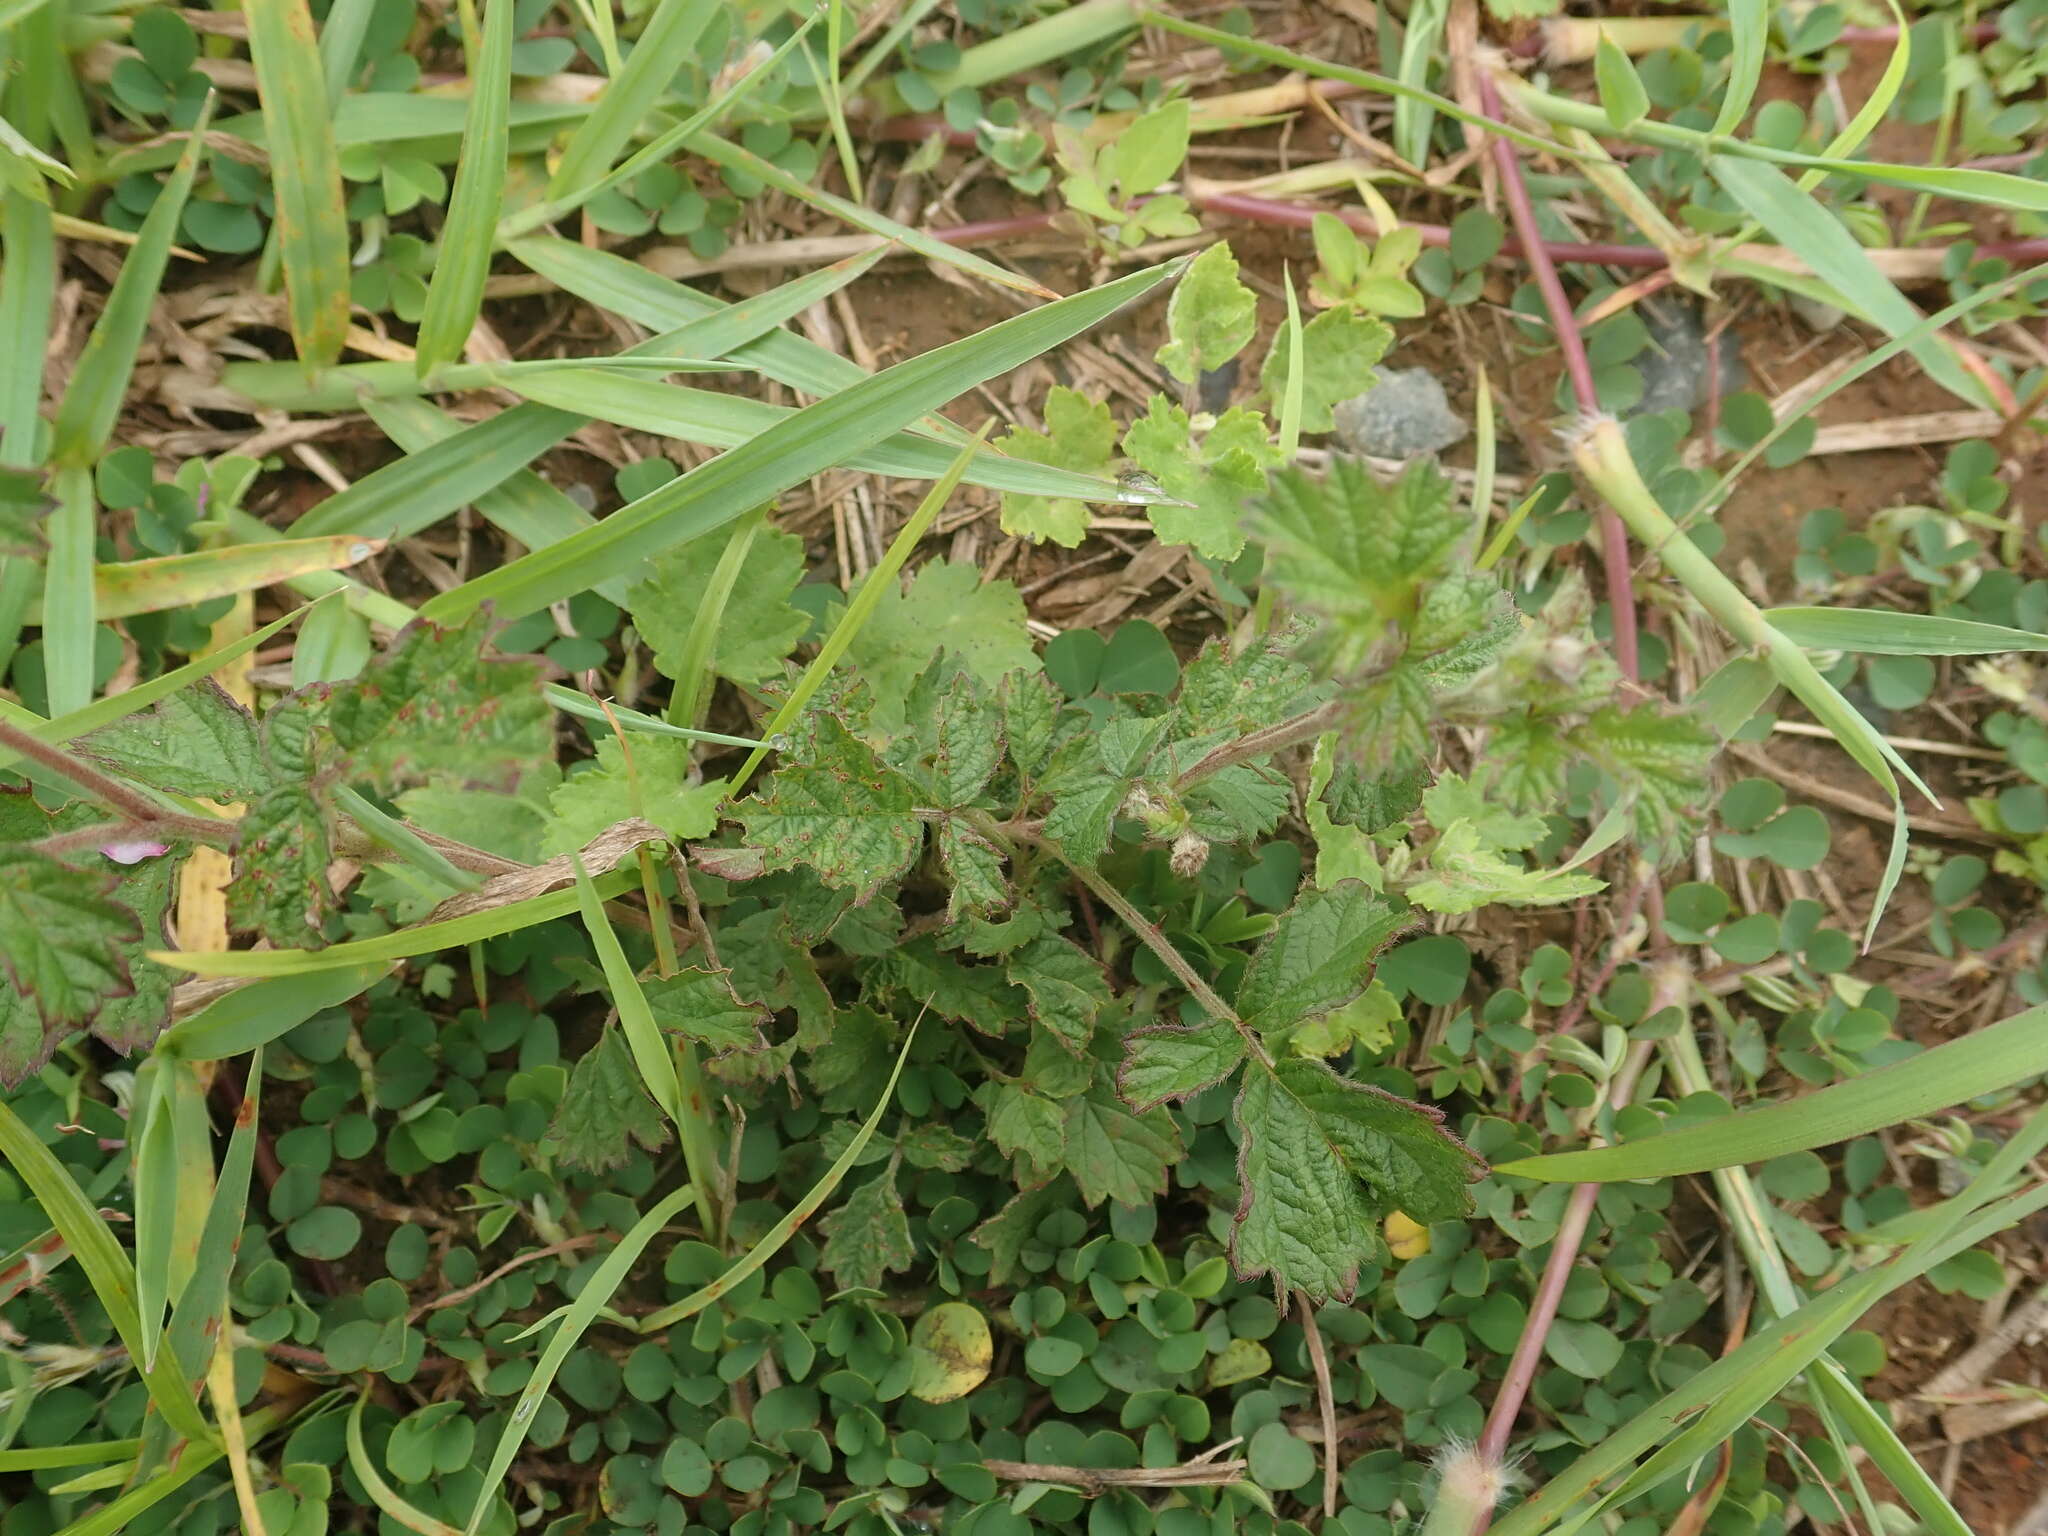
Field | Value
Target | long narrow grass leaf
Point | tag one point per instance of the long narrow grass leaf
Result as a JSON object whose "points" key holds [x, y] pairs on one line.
{"points": [[783, 1230], [1811, 232], [595, 1294], [860, 608], [99, 382], [1749, 32], [730, 421], [394, 1505], [1875, 632], [48, 1457], [387, 831], [195, 1320], [305, 170], [425, 939], [1988, 1059], [70, 641], [813, 440], [456, 294], [570, 702], [250, 1017], [106, 1266], [28, 283], [663, 47], [733, 157]]}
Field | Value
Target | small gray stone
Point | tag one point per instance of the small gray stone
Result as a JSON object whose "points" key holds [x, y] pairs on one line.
{"points": [[1674, 364], [1405, 414], [1818, 314]]}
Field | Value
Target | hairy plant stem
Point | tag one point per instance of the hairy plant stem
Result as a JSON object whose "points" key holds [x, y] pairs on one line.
{"points": [[1149, 933], [1670, 986], [1621, 600], [140, 813], [1300, 730], [700, 1150]]}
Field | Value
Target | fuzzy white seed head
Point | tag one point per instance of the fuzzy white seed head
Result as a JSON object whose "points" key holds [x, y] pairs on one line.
{"points": [[1468, 1476]]}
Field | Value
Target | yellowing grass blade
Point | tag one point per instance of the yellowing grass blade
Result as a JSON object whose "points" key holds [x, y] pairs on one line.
{"points": [[176, 581], [813, 440], [305, 168], [456, 293]]}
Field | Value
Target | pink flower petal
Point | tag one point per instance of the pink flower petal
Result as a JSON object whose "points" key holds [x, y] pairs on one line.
{"points": [[133, 853]]}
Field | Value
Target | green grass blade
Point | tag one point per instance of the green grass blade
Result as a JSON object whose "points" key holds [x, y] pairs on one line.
{"points": [[1709, 1406], [426, 939], [155, 1175], [250, 1017], [659, 149], [859, 609], [801, 1212], [1875, 632], [523, 505], [1749, 31], [381, 1493], [47, 1457], [807, 443], [341, 44], [455, 296], [389, 832], [377, 607], [693, 677], [99, 383], [647, 298], [727, 421], [654, 1054], [1297, 374], [106, 1267], [570, 702], [305, 167], [2007, 1052], [28, 284], [1812, 232], [69, 647], [596, 1293], [195, 1320], [116, 1516], [105, 711], [733, 157], [663, 47], [415, 491]]}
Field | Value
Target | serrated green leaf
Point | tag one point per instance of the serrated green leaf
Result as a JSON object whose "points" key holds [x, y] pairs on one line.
{"points": [[1367, 1021], [1090, 777], [1079, 435], [975, 870], [653, 786], [436, 705], [196, 742], [701, 1005], [843, 814], [1066, 987], [1323, 1160], [133, 1020], [1257, 685], [1030, 706], [280, 887], [604, 1108], [1317, 955], [1005, 1235], [1659, 759], [1211, 317], [1115, 1154], [1029, 1128], [1465, 872], [1217, 474], [759, 627], [977, 995], [947, 607], [1340, 348], [1167, 1061], [64, 938], [868, 1237]]}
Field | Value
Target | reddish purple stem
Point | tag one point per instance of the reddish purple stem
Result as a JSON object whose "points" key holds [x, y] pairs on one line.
{"points": [[1621, 598]]}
